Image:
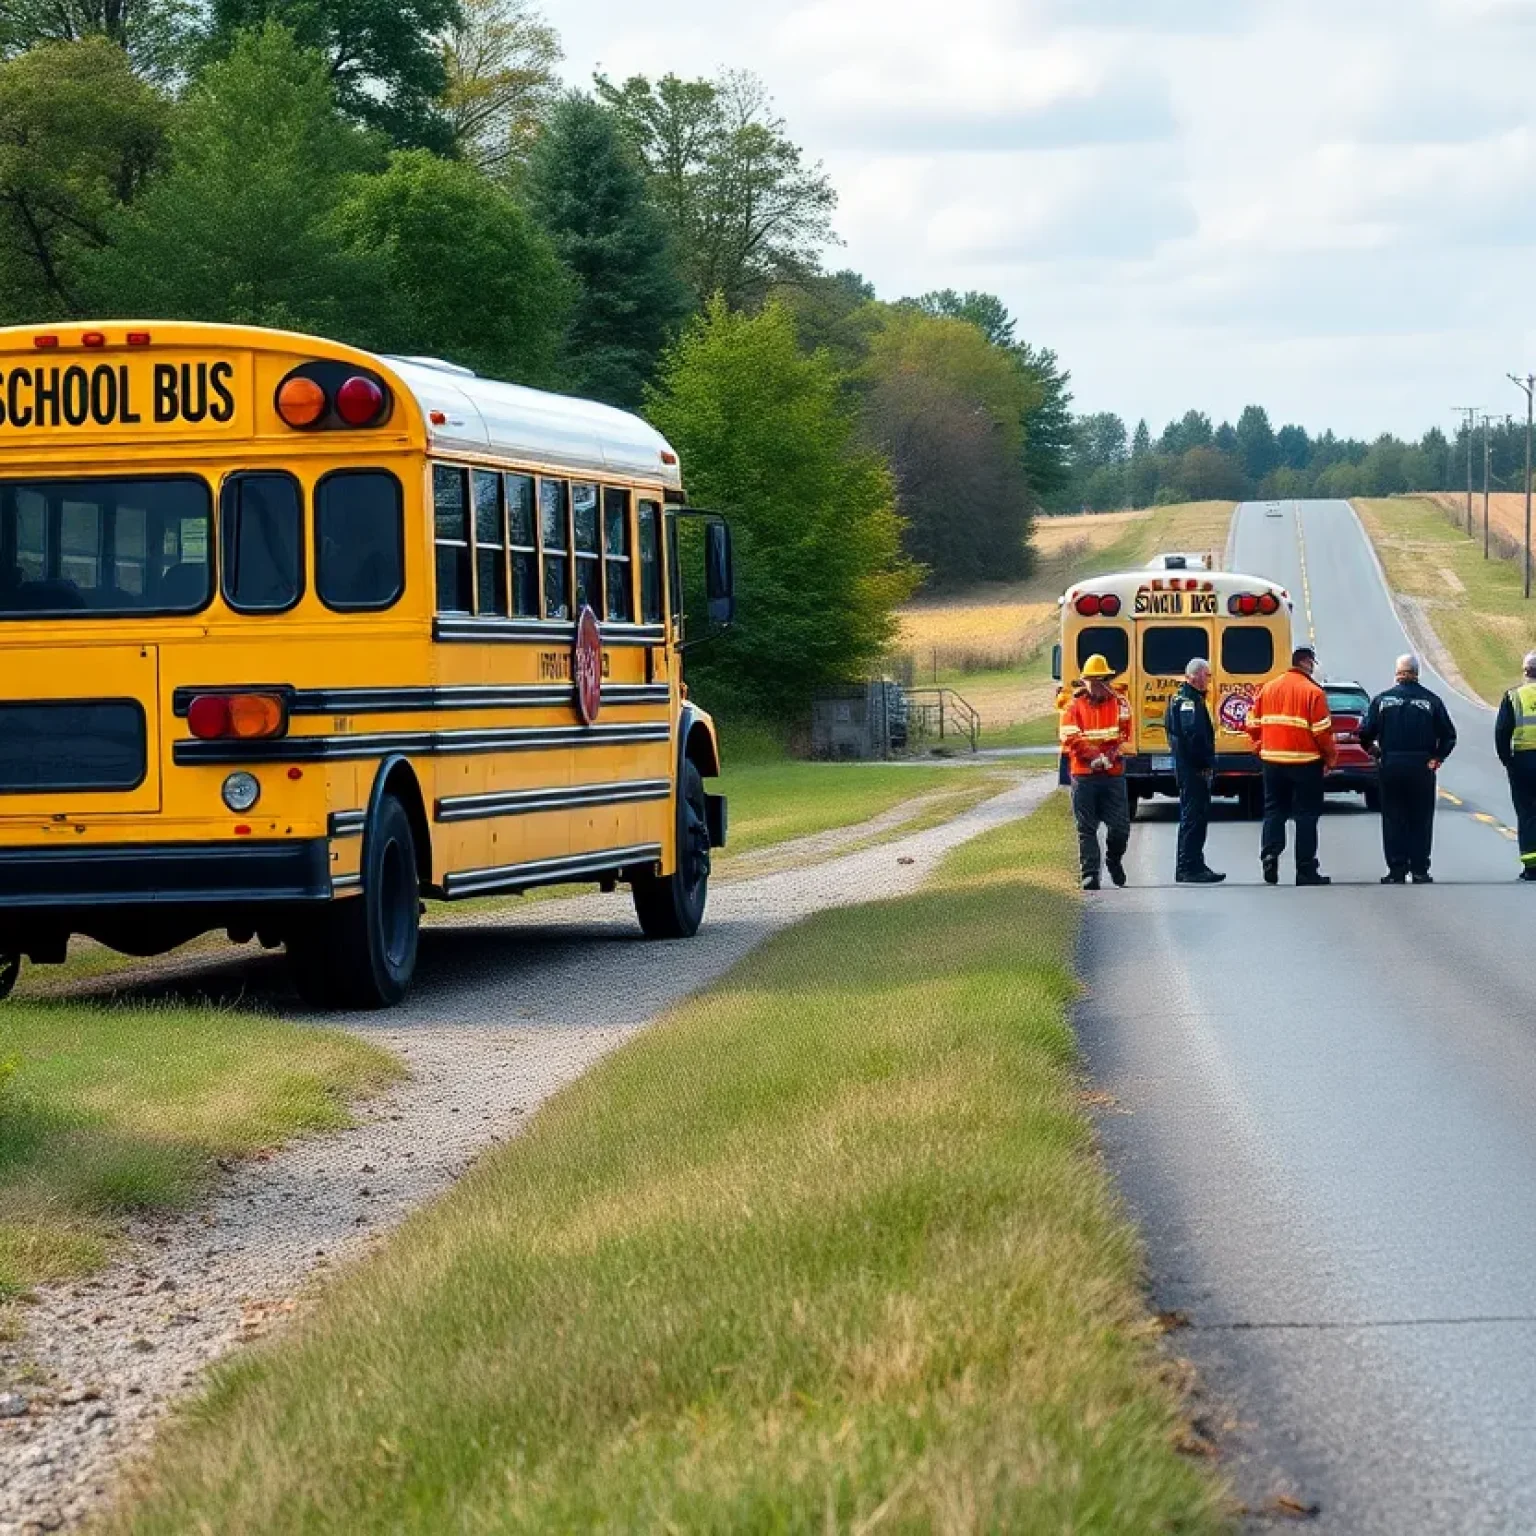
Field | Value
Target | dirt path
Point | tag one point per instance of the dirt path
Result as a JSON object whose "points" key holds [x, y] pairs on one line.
{"points": [[506, 1011]]}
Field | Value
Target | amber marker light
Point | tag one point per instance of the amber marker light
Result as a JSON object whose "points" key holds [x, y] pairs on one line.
{"points": [[300, 402], [253, 715]]}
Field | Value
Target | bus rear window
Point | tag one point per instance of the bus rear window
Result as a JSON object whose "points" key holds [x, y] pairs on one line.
{"points": [[261, 542], [1247, 652], [359, 540], [1166, 649], [1114, 645], [105, 548]]}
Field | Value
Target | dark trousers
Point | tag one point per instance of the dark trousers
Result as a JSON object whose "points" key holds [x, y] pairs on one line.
{"points": [[1293, 792], [1099, 798], [1194, 818], [1407, 815], [1522, 790]]}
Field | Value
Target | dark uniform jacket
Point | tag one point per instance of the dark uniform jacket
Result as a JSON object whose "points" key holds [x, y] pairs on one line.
{"points": [[1408, 724], [1191, 737]]}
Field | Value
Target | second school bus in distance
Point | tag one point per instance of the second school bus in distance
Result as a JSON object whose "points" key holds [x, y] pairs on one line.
{"points": [[1149, 625], [293, 635]]}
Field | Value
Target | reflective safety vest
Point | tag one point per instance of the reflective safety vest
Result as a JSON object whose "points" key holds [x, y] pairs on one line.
{"points": [[1523, 701], [1090, 730], [1289, 721]]}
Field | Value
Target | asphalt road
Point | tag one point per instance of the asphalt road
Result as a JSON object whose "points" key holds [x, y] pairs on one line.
{"points": [[1326, 1116]]}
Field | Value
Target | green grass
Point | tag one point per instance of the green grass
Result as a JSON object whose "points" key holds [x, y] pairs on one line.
{"points": [[771, 802], [828, 1249], [1488, 627], [112, 1111]]}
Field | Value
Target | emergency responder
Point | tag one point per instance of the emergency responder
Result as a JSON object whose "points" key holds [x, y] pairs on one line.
{"points": [[1192, 740], [1095, 729], [1293, 733], [1514, 739], [1410, 732]]}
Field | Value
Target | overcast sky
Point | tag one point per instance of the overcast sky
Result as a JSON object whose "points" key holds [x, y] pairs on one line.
{"points": [[1325, 206]]}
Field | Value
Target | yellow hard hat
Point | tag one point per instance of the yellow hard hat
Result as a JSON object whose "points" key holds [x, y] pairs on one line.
{"points": [[1096, 666]]}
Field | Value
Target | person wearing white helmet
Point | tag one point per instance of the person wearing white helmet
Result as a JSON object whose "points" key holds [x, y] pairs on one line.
{"points": [[1514, 739]]}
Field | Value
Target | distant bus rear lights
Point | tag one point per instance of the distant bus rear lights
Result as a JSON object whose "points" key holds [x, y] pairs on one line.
{"points": [[241, 791], [235, 716], [1246, 604], [1093, 605]]}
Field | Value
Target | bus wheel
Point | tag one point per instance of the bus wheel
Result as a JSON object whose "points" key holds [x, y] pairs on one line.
{"points": [[672, 906], [1373, 799], [361, 953], [10, 974]]}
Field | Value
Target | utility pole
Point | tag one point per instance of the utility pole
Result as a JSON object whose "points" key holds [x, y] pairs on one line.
{"points": [[1528, 384], [1486, 419], [1469, 411]]}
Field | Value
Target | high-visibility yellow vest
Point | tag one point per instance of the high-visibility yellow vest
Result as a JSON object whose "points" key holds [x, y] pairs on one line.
{"points": [[1523, 701]]}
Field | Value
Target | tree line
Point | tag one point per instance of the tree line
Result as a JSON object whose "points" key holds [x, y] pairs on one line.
{"points": [[1190, 460], [412, 177]]}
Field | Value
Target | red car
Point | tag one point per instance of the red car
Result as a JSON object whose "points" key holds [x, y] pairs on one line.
{"points": [[1355, 773]]}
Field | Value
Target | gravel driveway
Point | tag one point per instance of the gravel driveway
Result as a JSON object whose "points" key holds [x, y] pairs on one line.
{"points": [[507, 1008]]}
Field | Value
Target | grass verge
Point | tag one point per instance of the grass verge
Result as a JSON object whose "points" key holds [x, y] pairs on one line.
{"points": [[827, 1249], [118, 1110], [1475, 606]]}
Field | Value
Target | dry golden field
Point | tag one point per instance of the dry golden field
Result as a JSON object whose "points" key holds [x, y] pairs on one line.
{"points": [[1506, 516]]}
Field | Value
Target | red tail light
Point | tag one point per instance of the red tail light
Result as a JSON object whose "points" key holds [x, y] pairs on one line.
{"points": [[1088, 605], [138, 338], [359, 402], [1269, 603], [1109, 605], [208, 716], [45, 341], [93, 339]]}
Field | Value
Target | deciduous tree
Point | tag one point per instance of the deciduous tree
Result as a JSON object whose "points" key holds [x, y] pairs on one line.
{"points": [[155, 34], [765, 436], [499, 59], [466, 272], [587, 189], [79, 133]]}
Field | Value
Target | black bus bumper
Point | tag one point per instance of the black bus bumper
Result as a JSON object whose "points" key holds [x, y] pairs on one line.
{"points": [[165, 874]]}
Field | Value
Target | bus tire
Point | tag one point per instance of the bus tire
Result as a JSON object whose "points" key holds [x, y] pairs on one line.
{"points": [[361, 953], [1133, 798], [672, 906], [1373, 798], [10, 973]]}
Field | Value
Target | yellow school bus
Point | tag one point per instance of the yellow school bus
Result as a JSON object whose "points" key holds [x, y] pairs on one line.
{"points": [[293, 635], [1149, 625]]}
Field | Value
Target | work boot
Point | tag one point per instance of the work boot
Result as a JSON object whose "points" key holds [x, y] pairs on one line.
{"points": [[1528, 873], [1115, 867], [1090, 882], [1201, 877], [1423, 877], [1271, 864], [1394, 877], [1313, 877]]}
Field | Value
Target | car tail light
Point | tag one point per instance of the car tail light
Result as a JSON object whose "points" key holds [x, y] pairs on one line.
{"points": [[243, 716], [1088, 605], [359, 402], [301, 402], [1109, 605]]}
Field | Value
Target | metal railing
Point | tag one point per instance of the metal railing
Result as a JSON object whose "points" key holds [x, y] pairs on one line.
{"points": [[940, 713]]}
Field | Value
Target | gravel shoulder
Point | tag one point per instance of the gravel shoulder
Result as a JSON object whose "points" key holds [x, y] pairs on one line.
{"points": [[506, 1011]]}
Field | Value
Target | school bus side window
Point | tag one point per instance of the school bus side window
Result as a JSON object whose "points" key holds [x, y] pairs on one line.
{"points": [[1247, 651], [650, 563], [261, 542], [555, 539], [524, 546], [450, 519], [585, 521], [490, 544], [616, 561], [359, 540]]}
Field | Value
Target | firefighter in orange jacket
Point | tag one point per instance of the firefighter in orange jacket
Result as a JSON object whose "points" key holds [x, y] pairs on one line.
{"points": [[1095, 731], [1293, 731]]}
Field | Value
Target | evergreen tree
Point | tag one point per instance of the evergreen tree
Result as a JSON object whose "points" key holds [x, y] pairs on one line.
{"points": [[1256, 443], [1048, 428], [589, 191]]}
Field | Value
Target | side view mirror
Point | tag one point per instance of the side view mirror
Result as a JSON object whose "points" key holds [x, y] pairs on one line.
{"points": [[719, 578]]}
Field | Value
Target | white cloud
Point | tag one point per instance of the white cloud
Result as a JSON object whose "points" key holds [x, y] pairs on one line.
{"points": [[1320, 204]]}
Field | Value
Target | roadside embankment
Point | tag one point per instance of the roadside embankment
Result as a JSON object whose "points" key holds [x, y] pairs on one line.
{"points": [[829, 1247], [1473, 607]]}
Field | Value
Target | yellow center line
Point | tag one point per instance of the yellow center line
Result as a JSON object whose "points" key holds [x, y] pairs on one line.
{"points": [[1445, 794], [1484, 817]]}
